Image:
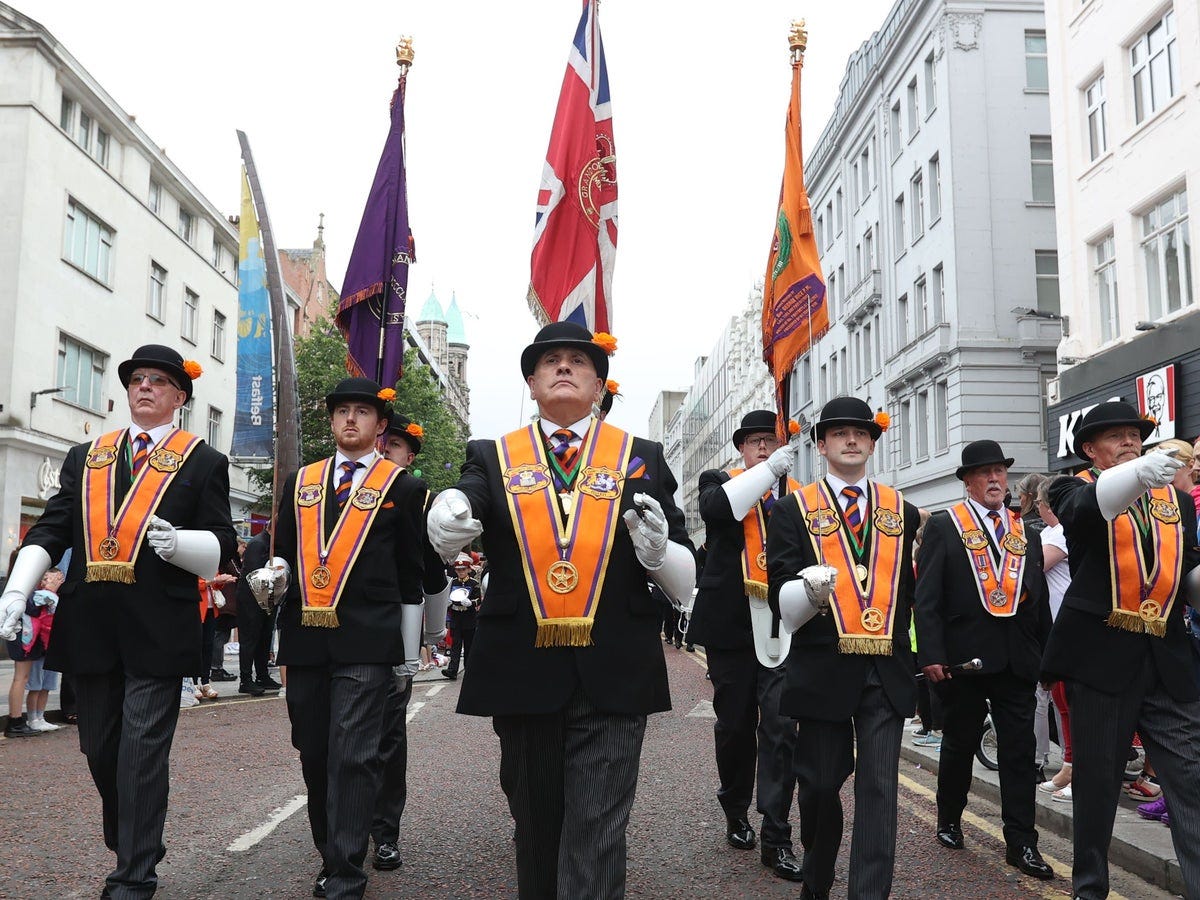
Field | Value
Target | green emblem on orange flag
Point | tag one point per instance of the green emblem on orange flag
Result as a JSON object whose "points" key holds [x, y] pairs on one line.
{"points": [[783, 235]]}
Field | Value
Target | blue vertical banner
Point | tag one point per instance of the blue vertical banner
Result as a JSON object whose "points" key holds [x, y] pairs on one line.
{"points": [[253, 423]]}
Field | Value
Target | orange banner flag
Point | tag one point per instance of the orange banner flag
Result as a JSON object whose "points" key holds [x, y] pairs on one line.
{"points": [[794, 313]]}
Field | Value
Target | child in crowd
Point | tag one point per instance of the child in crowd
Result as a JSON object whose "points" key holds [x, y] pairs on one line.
{"points": [[27, 651]]}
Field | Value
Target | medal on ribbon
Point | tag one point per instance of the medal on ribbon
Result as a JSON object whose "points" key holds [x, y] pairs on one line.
{"points": [[998, 583]]}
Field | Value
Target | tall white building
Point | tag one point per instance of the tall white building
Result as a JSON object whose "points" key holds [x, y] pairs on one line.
{"points": [[933, 202], [105, 245], [1123, 97]]}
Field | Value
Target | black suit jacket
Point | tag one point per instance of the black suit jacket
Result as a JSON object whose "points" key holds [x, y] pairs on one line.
{"points": [[721, 613], [822, 683], [624, 670], [953, 626], [464, 619], [1082, 646], [386, 574], [152, 627]]}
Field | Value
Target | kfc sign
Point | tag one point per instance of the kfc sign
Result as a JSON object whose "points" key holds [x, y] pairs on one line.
{"points": [[1156, 400], [1068, 422]]}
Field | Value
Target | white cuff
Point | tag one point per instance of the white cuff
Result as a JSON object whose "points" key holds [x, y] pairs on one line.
{"points": [[677, 574], [795, 609], [435, 614], [1118, 488], [198, 552], [747, 489], [27, 570]]}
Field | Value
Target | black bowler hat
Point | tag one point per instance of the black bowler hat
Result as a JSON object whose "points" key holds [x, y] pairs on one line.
{"points": [[363, 390], [156, 356], [981, 453], [846, 411], [1108, 415], [563, 334], [754, 422], [398, 424]]}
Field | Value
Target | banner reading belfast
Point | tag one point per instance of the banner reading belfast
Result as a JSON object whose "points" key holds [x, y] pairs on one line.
{"points": [[253, 423], [575, 235], [371, 311], [794, 310]]}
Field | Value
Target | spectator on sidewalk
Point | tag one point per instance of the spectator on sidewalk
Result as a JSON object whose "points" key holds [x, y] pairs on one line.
{"points": [[226, 585], [26, 650], [464, 603], [255, 624], [1058, 576]]}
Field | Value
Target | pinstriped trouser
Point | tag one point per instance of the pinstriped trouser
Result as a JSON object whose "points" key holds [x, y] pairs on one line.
{"points": [[126, 725], [570, 779]]}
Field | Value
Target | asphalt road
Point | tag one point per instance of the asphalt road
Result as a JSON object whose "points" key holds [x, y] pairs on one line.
{"points": [[236, 827]]}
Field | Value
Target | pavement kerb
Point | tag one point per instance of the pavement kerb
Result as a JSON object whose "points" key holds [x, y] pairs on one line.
{"points": [[1141, 847]]}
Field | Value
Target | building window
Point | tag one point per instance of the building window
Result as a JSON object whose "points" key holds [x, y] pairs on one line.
{"points": [[917, 186], [941, 415], [1167, 252], [218, 335], [1094, 101], [854, 184], [84, 130], [868, 366], [921, 305], [896, 142], [87, 242], [935, 189], [214, 428], [155, 197], [868, 252], [1037, 76], [906, 430], [902, 320], [185, 414], [156, 303], [1041, 164], [80, 372], [1045, 263], [898, 223], [877, 358], [938, 296], [1105, 273], [66, 115], [187, 225], [914, 109], [839, 210], [191, 311], [865, 166], [829, 224], [921, 432], [930, 83], [831, 293], [1155, 68]]}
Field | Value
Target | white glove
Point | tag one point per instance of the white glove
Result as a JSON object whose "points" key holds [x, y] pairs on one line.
{"points": [[269, 583], [819, 582], [12, 607], [218, 598], [451, 525], [162, 537], [780, 462], [1119, 487], [648, 531]]}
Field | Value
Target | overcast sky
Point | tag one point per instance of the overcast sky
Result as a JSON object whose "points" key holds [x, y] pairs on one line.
{"points": [[700, 92]]}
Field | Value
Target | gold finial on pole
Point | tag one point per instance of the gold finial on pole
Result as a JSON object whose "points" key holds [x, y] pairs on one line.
{"points": [[798, 40], [404, 55]]}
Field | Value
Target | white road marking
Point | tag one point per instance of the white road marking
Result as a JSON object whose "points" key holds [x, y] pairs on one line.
{"points": [[413, 709], [702, 710], [435, 690], [252, 837]]}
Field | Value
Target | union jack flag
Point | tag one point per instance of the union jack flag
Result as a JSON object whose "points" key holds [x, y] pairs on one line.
{"points": [[575, 235]]}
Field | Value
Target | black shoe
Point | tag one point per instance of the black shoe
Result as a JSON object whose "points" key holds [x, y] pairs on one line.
{"points": [[249, 687], [668, 639], [22, 728], [950, 836], [319, 884], [782, 861], [222, 675], [387, 857], [450, 675], [807, 893], [272, 685], [690, 648], [1039, 773], [678, 643], [739, 833], [1029, 861]]}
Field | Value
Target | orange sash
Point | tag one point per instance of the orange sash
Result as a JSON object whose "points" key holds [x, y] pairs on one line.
{"points": [[754, 551], [325, 564], [564, 565], [112, 537], [864, 598], [1000, 594]]}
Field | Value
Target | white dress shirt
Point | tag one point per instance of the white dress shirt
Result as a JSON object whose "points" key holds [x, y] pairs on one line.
{"points": [[836, 484], [359, 474]]}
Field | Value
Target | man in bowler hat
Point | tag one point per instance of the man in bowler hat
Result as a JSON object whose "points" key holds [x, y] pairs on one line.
{"points": [[1120, 642], [127, 628], [981, 594]]}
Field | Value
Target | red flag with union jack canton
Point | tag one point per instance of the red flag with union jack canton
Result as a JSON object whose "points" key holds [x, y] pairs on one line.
{"points": [[575, 236]]}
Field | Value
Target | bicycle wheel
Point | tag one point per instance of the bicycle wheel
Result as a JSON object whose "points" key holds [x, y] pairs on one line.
{"points": [[988, 751]]}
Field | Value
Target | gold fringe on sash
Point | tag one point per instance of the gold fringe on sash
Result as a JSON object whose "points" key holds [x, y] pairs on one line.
{"points": [[755, 589], [865, 646], [564, 633], [1131, 621], [319, 617], [120, 572]]}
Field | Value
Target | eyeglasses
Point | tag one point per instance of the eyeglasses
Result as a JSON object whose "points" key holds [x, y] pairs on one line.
{"points": [[762, 441], [156, 380]]}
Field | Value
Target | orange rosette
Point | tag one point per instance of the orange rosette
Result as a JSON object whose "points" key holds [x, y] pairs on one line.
{"points": [[387, 395], [605, 342], [192, 368], [883, 420]]}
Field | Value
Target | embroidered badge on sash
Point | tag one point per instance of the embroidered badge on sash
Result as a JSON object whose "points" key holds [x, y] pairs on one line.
{"points": [[1165, 511], [309, 494], [974, 539], [1014, 544], [822, 522], [526, 479], [888, 522], [601, 482], [366, 498], [99, 457], [165, 460]]}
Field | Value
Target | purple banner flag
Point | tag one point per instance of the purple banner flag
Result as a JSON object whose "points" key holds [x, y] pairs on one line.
{"points": [[371, 311]]}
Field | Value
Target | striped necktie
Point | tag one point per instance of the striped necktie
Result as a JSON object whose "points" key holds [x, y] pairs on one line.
{"points": [[560, 446], [853, 517], [343, 486], [997, 525], [141, 449]]}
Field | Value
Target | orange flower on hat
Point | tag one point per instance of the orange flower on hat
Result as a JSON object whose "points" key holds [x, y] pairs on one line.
{"points": [[1149, 418], [192, 368], [793, 426], [387, 395], [605, 342], [883, 420], [415, 430], [612, 387]]}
